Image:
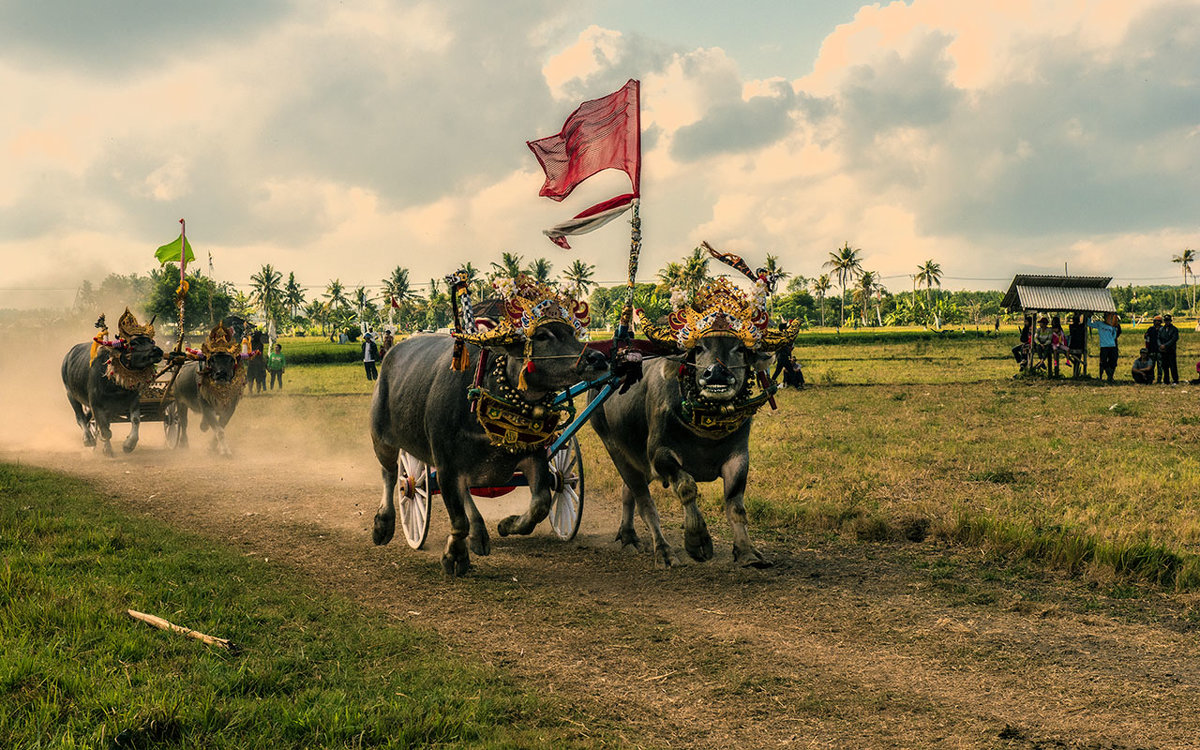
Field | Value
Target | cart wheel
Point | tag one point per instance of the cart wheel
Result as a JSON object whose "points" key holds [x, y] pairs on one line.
{"points": [[170, 420], [413, 485], [566, 506]]}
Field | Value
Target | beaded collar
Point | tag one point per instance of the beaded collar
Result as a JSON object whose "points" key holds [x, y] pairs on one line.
{"points": [[511, 422], [718, 419], [222, 396]]}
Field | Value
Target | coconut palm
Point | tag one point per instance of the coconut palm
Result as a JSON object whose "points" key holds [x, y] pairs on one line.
{"points": [[335, 297], [509, 267], [539, 270], [930, 273], [671, 276], [397, 286], [266, 292], [821, 286], [1185, 259], [773, 268], [360, 303], [293, 295], [317, 312], [846, 264], [695, 271], [579, 276]]}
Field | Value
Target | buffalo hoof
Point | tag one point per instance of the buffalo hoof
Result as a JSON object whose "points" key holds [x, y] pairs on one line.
{"points": [[481, 544], [666, 557], [89, 442], [699, 545], [107, 449], [512, 525], [455, 560], [628, 537], [750, 557], [385, 528], [128, 446]]}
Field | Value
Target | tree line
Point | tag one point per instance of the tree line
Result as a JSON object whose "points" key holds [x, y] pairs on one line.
{"points": [[843, 293]]}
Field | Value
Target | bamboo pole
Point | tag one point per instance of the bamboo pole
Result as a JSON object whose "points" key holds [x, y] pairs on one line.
{"points": [[162, 624]]}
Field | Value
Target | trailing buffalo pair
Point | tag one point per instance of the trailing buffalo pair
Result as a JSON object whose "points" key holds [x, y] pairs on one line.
{"points": [[687, 420]]}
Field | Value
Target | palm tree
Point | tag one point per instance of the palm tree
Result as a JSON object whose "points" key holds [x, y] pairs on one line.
{"points": [[1185, 259], [930, 273], [335, 296], [821, 286], [773, 268], [539, 270], [316, 312], [846, 264], [869, 287], [671, 276], [265, 291], [360, 303], [695, 271], [293, 295], [579, 276], [509, 266]]}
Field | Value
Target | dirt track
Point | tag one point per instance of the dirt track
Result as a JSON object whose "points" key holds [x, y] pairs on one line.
{"points": [[838, 645]]}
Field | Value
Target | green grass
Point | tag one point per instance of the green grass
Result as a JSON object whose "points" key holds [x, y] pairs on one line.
{"points": [[314, 670]]}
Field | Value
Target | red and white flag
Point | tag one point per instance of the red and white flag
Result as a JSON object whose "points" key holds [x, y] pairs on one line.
{"points": [[604, 133]]}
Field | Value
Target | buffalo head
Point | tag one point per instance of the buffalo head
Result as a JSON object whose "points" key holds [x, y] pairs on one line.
{"points": [[558, 358], [141, 352], [722, 365], [221, 367]]}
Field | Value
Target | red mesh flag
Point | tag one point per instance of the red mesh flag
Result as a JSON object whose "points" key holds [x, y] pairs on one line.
{"points": [[603, 133]]}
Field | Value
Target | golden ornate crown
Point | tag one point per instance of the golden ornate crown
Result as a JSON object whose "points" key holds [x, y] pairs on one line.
{"points": [[220, 341], [128, 326], [529, 305], [720, 308]]}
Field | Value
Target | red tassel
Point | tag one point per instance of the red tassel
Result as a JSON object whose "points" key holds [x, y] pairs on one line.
{"points": [[682, 370], [528, 368]]}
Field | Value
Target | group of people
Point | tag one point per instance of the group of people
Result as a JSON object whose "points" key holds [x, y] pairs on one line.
{"points": [[1049, 344], [373, 352]]}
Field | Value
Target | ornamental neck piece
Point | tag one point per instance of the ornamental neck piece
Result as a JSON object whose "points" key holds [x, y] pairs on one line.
{"points": [[512, 423], [124, 377]]}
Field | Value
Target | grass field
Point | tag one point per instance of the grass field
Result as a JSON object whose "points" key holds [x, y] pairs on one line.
{"points": [[313, 670], [934, 438]]}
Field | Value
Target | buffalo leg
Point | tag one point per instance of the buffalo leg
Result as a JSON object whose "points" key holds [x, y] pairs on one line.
{"points": [[538, 473], [481, 543], [626, 534], [219, 434], [84, 420], [456, 560], [104, 431], [733, 474], [135, 423], [639, 498], [181, 413], [696, 539], [385, 517]]}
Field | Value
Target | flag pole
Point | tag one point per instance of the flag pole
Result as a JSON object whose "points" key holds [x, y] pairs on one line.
{"points": [[181, 291], [625, 329]]}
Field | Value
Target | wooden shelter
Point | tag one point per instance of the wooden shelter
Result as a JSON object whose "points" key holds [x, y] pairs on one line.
{"points": [[1035, 294]]}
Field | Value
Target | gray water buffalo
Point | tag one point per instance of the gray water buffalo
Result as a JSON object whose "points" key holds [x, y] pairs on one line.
{"points": [[109, 386], [423, 407], [688, 420], [211, 387]]}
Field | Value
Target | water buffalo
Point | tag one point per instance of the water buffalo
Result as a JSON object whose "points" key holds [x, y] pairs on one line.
{"points": [[211, 387], [423, 407], [689, 418], [110, 385]]}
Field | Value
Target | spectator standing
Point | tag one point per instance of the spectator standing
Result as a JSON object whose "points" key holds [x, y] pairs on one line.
{"points": [[1076, 342], [1143, 368], [1109, 331], [388, 342], [276, 364], [1150, 339], [370, 352], [1168, 343]]}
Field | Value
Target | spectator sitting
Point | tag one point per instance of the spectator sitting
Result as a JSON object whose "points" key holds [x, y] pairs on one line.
{"points": [[793, 375], [1078, 335], [1143, 368], [1058, 342], [1021, 350], [1041, 342]]}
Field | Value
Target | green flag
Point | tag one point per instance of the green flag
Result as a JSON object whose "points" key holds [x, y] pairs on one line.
{"points": [[170, 252]]}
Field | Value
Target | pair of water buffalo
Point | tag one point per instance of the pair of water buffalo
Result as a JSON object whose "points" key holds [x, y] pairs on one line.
{"points": [[687, 420], [107, 380]]}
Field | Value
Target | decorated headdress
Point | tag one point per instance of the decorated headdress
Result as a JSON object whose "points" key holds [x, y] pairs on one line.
{"points": [[527, 306], [128, 326], [220, 341], [720, 308]]}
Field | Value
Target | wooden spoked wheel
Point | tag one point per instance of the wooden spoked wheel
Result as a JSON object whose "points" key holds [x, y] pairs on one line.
{"points": [[413, 490], [566, 506], [171, 426]]}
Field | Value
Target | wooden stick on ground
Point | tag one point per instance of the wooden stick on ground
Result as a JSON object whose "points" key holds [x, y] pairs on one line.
{"points": [[162, 624]]}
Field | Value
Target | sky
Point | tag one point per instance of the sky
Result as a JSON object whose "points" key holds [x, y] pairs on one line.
{"points": [[340, 140]]}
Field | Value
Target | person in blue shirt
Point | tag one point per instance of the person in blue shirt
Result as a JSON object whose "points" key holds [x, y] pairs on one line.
{"points": [[1109, 329]]}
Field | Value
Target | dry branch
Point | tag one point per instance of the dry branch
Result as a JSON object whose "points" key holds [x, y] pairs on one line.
{"points": [[162, 624]]}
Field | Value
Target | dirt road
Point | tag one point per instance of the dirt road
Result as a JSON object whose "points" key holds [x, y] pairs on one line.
{"points": [[841, 644]]}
